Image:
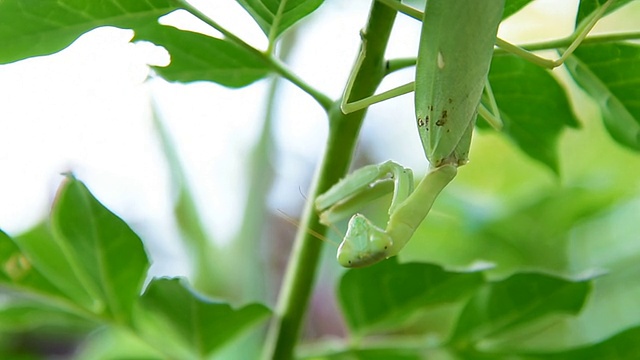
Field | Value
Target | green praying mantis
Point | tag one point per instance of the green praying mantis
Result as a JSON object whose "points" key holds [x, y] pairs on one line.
{"points": [[456, 47]]}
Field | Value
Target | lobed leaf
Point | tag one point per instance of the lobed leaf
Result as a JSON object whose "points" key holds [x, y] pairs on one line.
{"points": [[610, 74], [203, 324], [504, 306], [101, 248], [276, 16], [391, 291], [42, 27], [198, 57], [533, 106]]}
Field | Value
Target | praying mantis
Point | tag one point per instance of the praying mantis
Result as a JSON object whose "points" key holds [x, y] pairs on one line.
{"points": [[456, 47]]}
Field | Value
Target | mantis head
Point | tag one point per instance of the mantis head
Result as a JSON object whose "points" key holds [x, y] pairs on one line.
{"points": [[364, 244]]}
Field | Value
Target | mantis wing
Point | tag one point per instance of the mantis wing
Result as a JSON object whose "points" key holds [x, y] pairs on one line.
{"points": [[455, 52]]}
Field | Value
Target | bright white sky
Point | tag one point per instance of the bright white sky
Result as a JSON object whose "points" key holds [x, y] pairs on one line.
{"points": [[86, 109]]}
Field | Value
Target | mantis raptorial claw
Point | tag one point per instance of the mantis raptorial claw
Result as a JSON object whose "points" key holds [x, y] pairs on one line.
{"points": [[365, 243]]}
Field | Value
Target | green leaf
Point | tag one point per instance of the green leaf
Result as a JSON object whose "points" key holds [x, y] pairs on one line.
{"points": [[533, 106], [624, 345], [39, 246], [390, 292], [18, 271], [101, 248], [587, 7], [198, 57], [42, 27], [395, 353], [22, 315], [537, 235], [276, 16], [115, 343], [502, 307], [204, 325], [513, 6], [610, 74]]}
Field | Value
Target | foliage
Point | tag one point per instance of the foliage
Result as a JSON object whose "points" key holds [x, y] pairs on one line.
{"points": [[512, 264]]}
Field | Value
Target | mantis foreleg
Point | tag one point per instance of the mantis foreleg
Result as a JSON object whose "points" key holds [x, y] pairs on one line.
{"points": [[365, 243]]}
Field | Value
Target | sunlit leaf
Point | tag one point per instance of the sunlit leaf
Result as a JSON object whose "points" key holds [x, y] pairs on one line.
{"points": [[42, 27], [101, 248]]}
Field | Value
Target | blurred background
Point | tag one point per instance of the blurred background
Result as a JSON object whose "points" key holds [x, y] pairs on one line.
{"points": [[96, 108]]}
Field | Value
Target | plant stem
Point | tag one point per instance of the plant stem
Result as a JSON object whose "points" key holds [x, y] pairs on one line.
{"points": [[564, 42], [343, 133]]}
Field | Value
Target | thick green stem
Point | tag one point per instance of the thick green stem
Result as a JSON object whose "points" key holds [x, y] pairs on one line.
{"points": [[343, 133]]}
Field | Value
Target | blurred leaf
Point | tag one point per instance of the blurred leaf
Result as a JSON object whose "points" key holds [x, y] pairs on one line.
{"points": [[502, 307], [43, 251], [111, 343], [536, 236], [204, 325], [587, 7], [205, 262], [18, 270], [42, 27], [389, 292], [22, 314], [610, 74], [199, 57], [513, 6], [624, 345], [101, 248], [276, 16], [533, 106], [370, 354]]}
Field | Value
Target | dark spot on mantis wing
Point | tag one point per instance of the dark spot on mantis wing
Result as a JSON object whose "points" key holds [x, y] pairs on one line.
{"points": [[420, 122], [443, 118], [450, 100]]}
